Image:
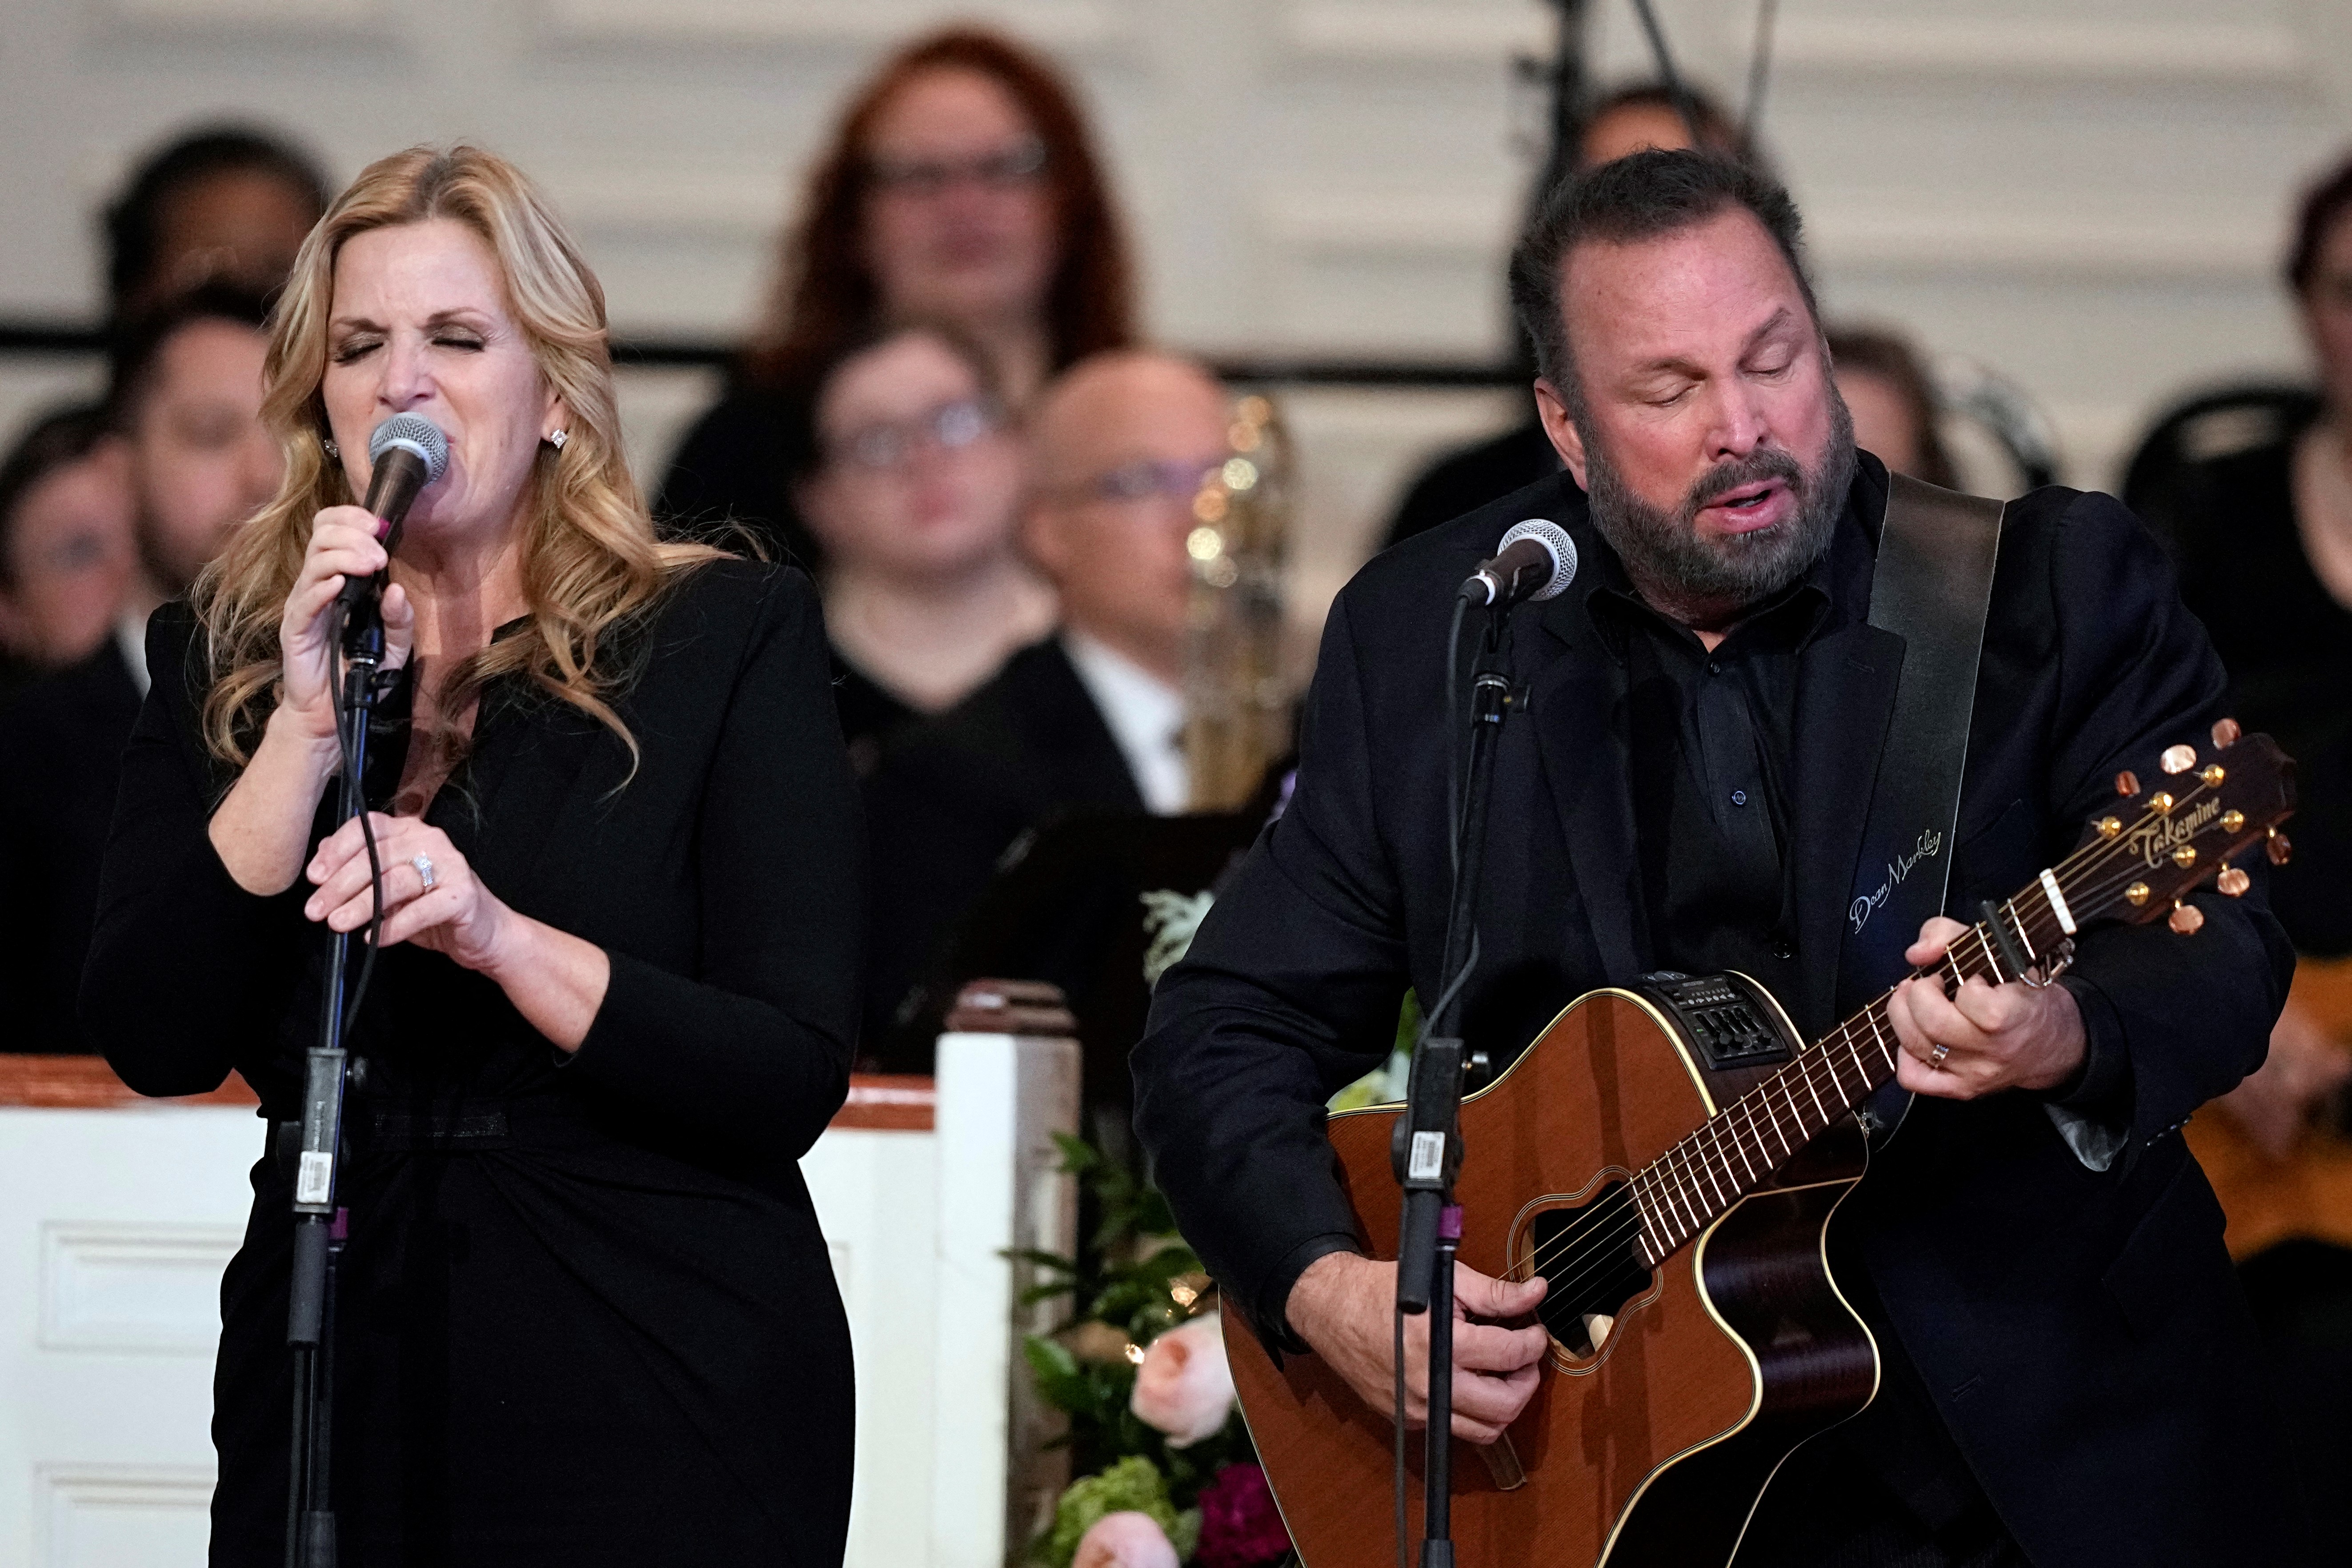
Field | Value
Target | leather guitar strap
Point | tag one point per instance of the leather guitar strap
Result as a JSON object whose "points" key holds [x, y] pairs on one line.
{"points": [[1933, 588]]}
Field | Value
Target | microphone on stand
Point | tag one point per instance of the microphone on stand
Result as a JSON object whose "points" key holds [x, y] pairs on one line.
{"points": [[406, 453], [1537, 560]]}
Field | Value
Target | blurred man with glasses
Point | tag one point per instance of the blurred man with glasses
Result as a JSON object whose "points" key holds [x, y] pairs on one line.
{"points": [[1089, 719]]}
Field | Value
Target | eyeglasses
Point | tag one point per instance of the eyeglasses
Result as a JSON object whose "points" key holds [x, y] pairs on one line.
{"points": [[1010, 169], [952, 426], [76, 552], [1179, 479]]}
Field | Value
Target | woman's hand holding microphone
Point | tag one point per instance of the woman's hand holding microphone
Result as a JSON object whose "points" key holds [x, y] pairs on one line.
{"points": [[343, 548], [430, 894], [262, 830]]}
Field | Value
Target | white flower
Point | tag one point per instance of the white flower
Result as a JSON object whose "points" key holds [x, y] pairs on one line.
{"points": [[1184, 1387], [1128, 1540]]}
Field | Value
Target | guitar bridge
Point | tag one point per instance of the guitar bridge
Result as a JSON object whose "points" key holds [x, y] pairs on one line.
{"points": [[1727, 1017]]}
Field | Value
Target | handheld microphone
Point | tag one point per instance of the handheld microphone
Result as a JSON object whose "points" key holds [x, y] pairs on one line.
{"points": [[406, 453], [1537, 560]]}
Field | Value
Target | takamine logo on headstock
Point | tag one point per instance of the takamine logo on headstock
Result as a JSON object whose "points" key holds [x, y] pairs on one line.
{"points": [[2206, 812]]}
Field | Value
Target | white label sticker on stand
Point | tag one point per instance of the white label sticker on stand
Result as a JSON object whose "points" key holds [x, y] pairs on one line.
{"points": [[316, 1176], [1428, 1161]]}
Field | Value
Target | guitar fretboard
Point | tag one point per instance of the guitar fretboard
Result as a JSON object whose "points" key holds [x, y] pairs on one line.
{"points": [[1691, 1184]]}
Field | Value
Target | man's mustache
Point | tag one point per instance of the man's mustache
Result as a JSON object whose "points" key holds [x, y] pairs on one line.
{"points": [[1764, 463]]}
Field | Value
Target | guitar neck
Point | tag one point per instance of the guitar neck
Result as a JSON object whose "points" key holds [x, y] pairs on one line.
{"points": [[1698, 1179]]}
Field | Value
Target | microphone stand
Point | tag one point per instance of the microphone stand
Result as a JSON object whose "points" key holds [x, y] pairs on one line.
{"points": [[1426, 1147], [319, 1225]]}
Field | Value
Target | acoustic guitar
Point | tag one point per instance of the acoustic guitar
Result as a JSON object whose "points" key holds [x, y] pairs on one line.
{"points": [[1668, 1155]]}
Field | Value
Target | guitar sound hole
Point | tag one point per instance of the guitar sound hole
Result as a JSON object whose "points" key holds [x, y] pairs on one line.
{"points": [[1587, 1256]]}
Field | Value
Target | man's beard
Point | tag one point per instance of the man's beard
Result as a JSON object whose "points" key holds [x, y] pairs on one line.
{"points": [[1665, 554]]}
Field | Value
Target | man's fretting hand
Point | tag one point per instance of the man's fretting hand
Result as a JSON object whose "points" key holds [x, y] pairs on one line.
{"points": [[1345, 1305], [1999, 1036]]}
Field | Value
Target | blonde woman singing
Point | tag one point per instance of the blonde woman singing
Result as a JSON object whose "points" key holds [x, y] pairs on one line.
{"points": [[585, 1315]]}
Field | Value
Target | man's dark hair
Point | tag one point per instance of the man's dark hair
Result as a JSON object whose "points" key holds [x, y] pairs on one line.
{"points": [[1717, 132], [134, 220], [1643, 197], [138, 342], [2323, 204], [57, 439]]}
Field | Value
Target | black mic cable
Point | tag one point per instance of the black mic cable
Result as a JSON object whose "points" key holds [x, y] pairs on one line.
{"points": [[406, 453]]}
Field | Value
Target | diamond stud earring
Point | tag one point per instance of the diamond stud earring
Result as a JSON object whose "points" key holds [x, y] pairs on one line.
{"points": [[557, 439]]}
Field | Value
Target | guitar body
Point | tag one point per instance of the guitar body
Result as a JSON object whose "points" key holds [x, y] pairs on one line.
{"points": [[1649, 1448], [1672, 1395]]}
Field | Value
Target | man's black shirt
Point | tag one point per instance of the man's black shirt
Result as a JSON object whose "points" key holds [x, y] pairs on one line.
{"points": [[1708, 738]]}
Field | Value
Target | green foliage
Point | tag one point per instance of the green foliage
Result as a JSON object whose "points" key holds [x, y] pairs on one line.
{"points": [[1127, 1278], [1130, 1485]]}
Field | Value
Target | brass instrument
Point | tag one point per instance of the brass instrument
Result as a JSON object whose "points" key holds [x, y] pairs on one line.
{"points": [[1236, 695]]}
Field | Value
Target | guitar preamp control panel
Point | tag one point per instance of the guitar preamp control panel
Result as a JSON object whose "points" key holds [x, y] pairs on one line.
{"points": [[1727, 1017]]}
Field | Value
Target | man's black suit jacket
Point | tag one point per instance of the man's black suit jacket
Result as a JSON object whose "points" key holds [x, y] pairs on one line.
{"points": [[61, 742], [2081, 1331], [952, 796]]}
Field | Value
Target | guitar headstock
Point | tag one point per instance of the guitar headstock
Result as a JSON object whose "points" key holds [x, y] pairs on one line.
{"points": [[2163, 841]]}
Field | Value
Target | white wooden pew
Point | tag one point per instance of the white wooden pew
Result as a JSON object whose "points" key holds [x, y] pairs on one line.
{"points": [[117, 1215]]}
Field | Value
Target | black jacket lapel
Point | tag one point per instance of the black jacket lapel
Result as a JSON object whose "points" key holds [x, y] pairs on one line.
{"points": [[1576, 704], [1845, 697]]}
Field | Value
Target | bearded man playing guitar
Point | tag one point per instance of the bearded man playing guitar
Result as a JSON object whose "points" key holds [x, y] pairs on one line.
{"points": [[2063, 1371]]}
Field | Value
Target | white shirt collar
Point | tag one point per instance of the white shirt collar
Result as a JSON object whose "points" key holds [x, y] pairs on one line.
{"points": [[131, 641], [1146, 717]]}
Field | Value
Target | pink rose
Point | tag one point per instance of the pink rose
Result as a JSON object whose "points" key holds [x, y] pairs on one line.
{"points": [[1128, 1540], [1184, 1387], [1240, 1527]]}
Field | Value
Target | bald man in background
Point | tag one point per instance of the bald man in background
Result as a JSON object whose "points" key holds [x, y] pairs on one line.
{"points": [[1090, 718]]}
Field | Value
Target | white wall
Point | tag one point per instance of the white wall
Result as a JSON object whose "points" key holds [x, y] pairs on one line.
{"points": [[2086, 194]]}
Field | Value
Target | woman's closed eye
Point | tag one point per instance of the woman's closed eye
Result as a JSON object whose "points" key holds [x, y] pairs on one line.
{"points": [[352, 348]]}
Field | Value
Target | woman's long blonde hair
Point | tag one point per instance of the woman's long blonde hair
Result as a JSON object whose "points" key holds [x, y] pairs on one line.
{"points": [[591, 558]]}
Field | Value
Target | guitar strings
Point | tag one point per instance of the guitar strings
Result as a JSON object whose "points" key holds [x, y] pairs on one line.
{"points": [[1676, 1164], [1824, 1053]]}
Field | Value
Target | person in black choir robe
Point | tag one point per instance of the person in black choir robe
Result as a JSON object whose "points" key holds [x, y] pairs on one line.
{"points": [[961, 186], [585, 1315], [1089, 718], [914, 485], [2068, 1370], [66, 549], [2253, 494], [198, 460]]}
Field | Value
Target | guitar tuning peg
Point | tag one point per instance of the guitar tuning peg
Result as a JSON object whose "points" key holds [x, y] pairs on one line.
{"points": [[2226, 733], [2276, 847], [2186, 918], [2233, 882], [2127, 783], [2177, 759]]}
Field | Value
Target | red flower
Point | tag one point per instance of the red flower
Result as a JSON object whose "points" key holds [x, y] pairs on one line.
{"points": [[1239, 1525]]}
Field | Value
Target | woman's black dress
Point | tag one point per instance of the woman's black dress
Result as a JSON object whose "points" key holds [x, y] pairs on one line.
{"points": [[586, 1316]]}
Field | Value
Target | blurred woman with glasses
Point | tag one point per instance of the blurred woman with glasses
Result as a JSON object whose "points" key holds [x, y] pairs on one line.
{"points": [[961, 187], [911, 487]]}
